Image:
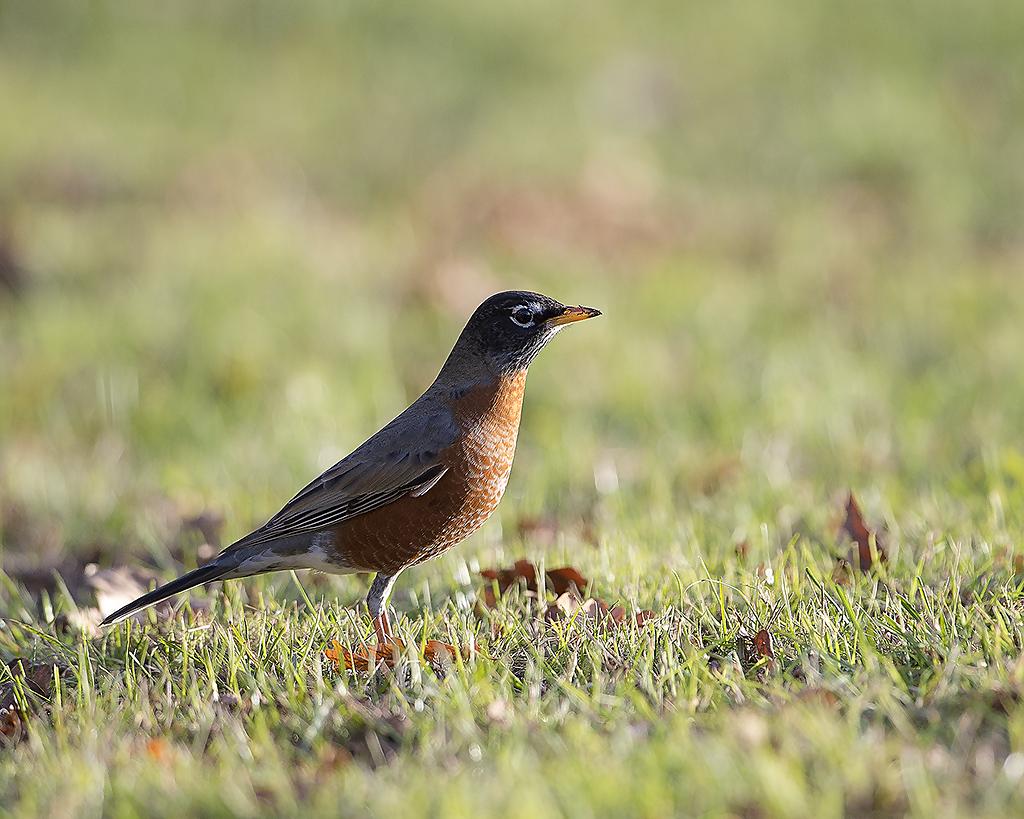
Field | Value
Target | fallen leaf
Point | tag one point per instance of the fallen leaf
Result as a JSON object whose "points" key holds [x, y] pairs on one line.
{"points": [[567, 584], [592, 611], [755, 649], [563, 579], [862, 536], [842, 572], [558, 580], [642, 617], [388, 654], [13, 728], [565, 605], [35, 680], [506, 577], [763, 642], [385, 654], [490, 598]]}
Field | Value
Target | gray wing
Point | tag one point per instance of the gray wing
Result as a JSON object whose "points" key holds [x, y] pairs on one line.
{"points": [[403, 458]]}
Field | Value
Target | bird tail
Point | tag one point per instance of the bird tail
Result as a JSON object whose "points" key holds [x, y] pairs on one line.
{"points": [[215, 570]]}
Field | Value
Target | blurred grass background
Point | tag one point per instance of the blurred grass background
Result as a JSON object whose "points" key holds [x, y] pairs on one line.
{"points": [[240, 236], [237, 237]]}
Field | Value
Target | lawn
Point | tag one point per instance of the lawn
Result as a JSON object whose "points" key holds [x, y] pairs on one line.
{"points": [[236, 238]]}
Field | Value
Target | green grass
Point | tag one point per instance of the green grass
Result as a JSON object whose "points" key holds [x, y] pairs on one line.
{"points": [[247, 235]]}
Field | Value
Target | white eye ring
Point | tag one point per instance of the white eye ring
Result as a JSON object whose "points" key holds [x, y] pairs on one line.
{"points": [[523, 317]]}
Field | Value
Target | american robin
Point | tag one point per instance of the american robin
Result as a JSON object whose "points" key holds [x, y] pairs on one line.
{"points": [[420, 485]]}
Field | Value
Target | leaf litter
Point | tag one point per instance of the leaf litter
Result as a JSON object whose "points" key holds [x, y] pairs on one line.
{"points": [[580, 615], [868, 546], [25, 687]]}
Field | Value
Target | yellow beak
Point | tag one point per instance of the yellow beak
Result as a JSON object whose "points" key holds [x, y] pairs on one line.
{"points": [[570, 314]]}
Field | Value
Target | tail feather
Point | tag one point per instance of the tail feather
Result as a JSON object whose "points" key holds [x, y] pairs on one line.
{"points": [[204, 574]]}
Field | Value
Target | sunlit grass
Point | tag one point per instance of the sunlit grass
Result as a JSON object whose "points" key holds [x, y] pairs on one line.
{"points": [[248, 235]]}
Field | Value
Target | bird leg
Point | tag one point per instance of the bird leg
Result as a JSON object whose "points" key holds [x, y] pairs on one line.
{"points": [[389, 647], [377, 603], [383, 628]]}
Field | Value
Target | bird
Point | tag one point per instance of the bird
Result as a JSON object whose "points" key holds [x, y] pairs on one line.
{"points": [[420, 485]]}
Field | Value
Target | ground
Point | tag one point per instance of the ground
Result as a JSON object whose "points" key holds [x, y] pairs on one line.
{"points": [[236, 239]]}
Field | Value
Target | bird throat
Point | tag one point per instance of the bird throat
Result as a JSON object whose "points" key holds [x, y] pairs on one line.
{"points": [[490, 412]]}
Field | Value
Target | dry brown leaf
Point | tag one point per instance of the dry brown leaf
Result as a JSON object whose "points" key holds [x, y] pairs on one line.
{"points": [[558, 580], [861, 557], [388, 654], [36, 682], [563, 579], [597, 611], [506, 577], [642, 617], [382, 654], [35, 678], [842, 572], [755, 649], [592, 611], [763, 642], [567, 584], [489, 597], [565, 606], [13, 727]]}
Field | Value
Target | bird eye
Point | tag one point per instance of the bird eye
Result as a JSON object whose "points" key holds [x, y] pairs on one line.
{"points": [[523, 317]]}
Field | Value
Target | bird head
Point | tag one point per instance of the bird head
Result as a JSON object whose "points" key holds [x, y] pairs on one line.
{"points": [[509, 329]]}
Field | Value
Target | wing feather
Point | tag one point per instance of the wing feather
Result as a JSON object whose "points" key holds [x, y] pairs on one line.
{"points": [[403, 458]]}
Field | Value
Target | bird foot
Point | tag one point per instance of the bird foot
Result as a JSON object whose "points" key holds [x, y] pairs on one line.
{"points": [[381, 654], [387, 654]]}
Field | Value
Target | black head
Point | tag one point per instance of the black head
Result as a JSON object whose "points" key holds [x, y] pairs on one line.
{"points": [[509, 329]]}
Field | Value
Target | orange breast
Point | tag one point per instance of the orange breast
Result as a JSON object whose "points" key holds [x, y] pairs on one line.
{"points": [[414, 529]]}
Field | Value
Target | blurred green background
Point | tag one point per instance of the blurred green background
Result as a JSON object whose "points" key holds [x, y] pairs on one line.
{"points": [[237, 237]]}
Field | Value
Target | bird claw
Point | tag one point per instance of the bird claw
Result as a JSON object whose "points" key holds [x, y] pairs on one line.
{"points": [[387, 654]]}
